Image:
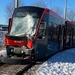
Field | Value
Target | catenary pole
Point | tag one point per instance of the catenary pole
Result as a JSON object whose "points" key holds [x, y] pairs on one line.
{"points": [[65, 9], [16, 3], [50, 4]]}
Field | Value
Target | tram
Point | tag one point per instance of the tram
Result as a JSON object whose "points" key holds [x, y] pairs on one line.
{"points": [[35, 33]]}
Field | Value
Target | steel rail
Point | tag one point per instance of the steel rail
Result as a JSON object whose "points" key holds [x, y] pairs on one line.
{"points": [[25, 69]]}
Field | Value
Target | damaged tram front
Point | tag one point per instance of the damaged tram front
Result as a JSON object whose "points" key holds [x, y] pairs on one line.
{"points": [[22, 31]]}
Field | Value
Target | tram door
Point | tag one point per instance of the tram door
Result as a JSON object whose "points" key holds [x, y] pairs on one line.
{"points": [[71, 37], [41, 41], [53, 34], [62, 38], [69, 40]]}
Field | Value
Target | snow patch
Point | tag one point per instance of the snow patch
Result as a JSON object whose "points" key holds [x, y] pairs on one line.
{"points": [[60, 64], [2, 52]]}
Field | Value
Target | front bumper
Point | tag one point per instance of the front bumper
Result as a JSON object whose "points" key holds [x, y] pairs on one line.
{"points": [[7, 60]]}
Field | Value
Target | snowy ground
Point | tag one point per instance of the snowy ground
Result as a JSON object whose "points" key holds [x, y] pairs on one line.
{"points": [[60, 64], [2, 37], [3, 52]]}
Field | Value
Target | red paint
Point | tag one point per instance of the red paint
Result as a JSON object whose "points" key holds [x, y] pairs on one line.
{"points": [[9, 42], [10, 24], [53, 14], [30, 44], [37, 29], [70, 22]]}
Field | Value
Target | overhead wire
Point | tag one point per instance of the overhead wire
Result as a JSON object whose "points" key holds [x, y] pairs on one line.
{"points": [[68, 4]]}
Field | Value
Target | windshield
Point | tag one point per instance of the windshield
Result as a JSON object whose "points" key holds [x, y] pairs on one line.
{"points": [[24, 22]]}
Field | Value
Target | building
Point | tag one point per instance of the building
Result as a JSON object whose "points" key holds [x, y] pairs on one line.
{"points": [[3, 27]]}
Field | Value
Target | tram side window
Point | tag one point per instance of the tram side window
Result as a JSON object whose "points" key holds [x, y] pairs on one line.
{"points": [[42, 30], [68, 33], [74, 36], [53, 31], [50, 31]]}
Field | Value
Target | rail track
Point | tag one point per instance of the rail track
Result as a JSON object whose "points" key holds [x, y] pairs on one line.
{"points": [[7, 69], [25, 69], [29, 69]]}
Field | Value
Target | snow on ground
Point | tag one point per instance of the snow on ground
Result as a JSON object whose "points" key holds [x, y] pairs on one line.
{"points": [[3, 52], [2, 37], [60, 64]]}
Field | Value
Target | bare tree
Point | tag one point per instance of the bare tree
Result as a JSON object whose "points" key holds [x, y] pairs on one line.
{"points": [[39, 4], [71, 15], [10, 7], [58, 10], [21, 3]]}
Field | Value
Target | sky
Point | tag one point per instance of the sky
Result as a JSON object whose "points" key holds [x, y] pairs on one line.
{"points": [[50, 4]]}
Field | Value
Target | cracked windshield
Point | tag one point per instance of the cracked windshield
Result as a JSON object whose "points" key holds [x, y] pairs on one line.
{"points": [[24, 23]]}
